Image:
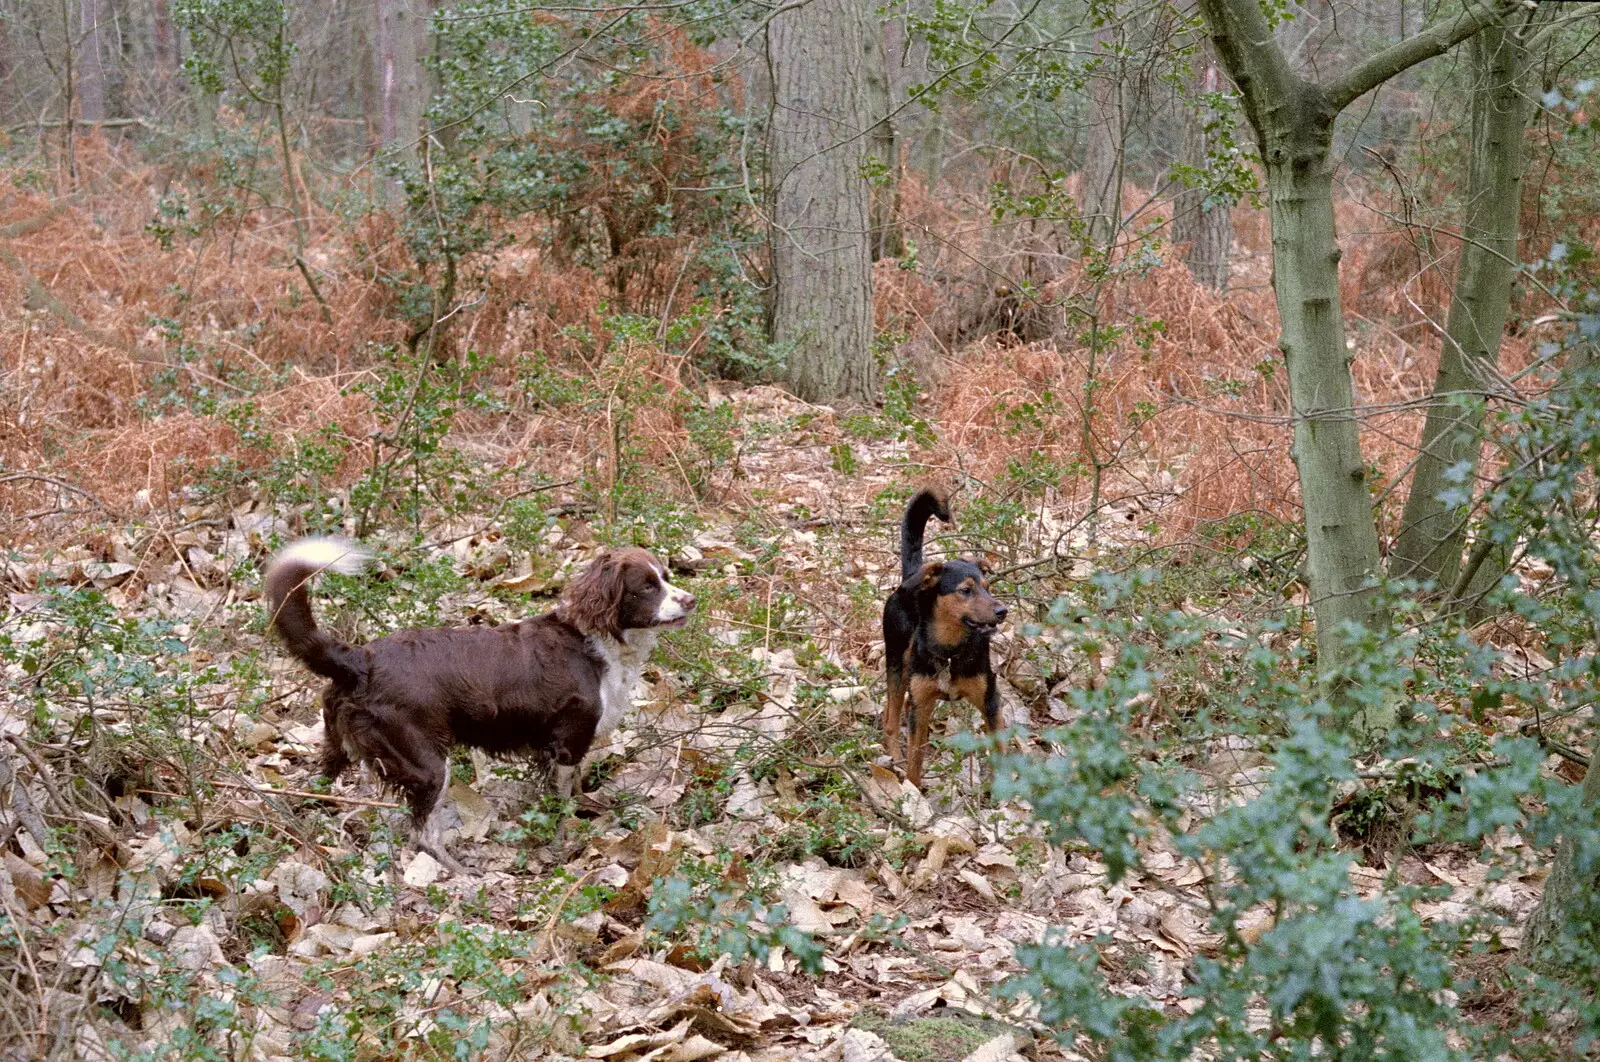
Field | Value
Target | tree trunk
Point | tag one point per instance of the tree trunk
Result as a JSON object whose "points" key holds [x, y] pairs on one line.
{"points": [[1433, 530], [1203, 224], [119, 37], [91, 61], [1571, 893], [883, 148], [69, 85], [1341, 537], [1102, 164], [8, 91], [399, 79], [204, 102], [822, 265], [166, 53], [1293, 119]]}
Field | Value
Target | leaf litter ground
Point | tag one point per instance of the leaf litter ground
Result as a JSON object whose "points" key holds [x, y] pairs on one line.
{"points": [[310, 917]]}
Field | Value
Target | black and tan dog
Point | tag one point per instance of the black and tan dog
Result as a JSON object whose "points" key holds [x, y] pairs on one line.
{"points": [[936, 631]]}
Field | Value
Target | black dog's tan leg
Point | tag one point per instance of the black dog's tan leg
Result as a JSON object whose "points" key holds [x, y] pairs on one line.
{"points": [[981, 691], [924, 695]]}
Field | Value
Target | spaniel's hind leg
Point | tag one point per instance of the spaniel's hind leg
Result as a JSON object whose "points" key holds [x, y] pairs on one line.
{"points": [[410, 760], [335, 745]]}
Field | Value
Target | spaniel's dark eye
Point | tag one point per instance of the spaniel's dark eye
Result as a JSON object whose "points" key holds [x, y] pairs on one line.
{"points": [[966, 591]]}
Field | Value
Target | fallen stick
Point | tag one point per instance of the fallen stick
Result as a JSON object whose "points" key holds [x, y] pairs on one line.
{"points": [[306, 794]]}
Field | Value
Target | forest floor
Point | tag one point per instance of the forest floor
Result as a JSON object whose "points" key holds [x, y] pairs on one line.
{"points": [[177, 881], [298, 922]]}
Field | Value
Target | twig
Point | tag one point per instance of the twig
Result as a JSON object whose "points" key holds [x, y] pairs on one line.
{"points": [[550, 926], [316, 292], [104, 123], [308, 845], [1535, 729], [63, 484], [306, 794], [303, 793], [62, 804]]}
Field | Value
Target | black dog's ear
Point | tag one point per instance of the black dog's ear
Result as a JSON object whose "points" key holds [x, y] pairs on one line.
{"points": [[927, 577], [981, 562]]}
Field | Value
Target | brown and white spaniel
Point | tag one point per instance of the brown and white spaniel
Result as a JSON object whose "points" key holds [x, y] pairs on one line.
{"points": [[550, 684]]}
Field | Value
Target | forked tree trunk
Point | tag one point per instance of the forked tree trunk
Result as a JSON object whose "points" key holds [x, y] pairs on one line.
{"points": [[1293, 119], [1433, 529], [821, 258], [1341, 538], [1204, 226]]}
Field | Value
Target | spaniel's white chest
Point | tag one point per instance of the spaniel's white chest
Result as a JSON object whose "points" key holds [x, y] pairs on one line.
{"points": [[619, 675]]}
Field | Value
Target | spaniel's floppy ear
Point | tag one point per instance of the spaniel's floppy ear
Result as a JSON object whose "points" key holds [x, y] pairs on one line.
{"points": [[594, 599], [926, 578], [982, 563]]}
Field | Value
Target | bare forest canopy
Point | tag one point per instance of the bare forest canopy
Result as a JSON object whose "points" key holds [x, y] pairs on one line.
{"points": [[1254, 340]]}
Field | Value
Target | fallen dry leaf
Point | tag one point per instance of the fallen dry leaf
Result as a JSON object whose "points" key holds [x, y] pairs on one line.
{"points": [[623, 948], [31, 885]]}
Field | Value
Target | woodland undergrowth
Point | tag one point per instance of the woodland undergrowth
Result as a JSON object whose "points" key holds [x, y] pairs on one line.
{"points": [[1178, 856]]}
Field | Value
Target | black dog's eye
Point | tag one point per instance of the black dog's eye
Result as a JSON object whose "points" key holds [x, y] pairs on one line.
{"points": [[966, 591]]}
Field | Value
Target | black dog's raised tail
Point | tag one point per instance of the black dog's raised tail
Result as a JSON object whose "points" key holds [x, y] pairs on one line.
{"points": [[924, 504], [285, 585]]}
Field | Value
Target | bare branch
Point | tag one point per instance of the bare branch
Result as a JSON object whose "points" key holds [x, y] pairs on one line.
{"points": [[1435, 40]]}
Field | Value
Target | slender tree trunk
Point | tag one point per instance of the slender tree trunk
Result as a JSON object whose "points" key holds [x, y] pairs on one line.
{"points": [[1341, 537], [1571, 893], [1569, 910], [69, 86], [204, 102], [1103, 157], [8, 91], [165, 49], [1293, 119], [918, 128], [91, 61], [1202, 224], [882, 146], [121, 41], [1433, 529], [822, 264], [399, 78]]}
